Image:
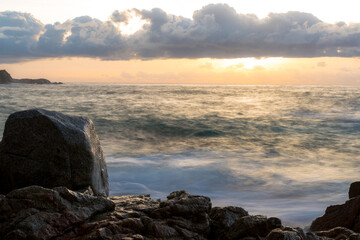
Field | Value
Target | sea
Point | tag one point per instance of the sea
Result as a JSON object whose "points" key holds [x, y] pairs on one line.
{"points": [[280, 151]]}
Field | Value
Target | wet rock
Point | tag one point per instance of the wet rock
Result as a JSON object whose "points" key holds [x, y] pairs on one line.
{"points": [[186, 213], [253, 226], [354, 189], [182, 216], [222, 218], [345, 215], [51, 149], [181, 203], [286, 234], [35, 212]]}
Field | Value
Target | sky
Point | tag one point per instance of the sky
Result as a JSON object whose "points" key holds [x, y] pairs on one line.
{"points": [[199, 41]]}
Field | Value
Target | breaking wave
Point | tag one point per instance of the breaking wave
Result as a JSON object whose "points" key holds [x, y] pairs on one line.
{"points": [[285, 151]]}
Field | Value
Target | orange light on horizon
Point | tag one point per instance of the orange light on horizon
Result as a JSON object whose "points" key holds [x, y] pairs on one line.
{"points": [[246, 63]]}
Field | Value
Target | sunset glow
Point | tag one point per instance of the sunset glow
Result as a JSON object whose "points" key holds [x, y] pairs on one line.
{"points": [[253, 104], [132, 24], [249, 63], [333, 71], [198, 42]]}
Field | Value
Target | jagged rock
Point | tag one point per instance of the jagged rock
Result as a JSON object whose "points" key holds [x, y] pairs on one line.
{"points": [[51, 149], [60, 214], [253, 226], [186, 213], [222, 218], [35, 212], [181, 203], [345, 215], [182, 216], [338, 233], [286, 234], [354, 189]]}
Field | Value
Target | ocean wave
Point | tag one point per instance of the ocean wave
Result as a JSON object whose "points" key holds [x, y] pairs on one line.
{"points": [[286, 150]]}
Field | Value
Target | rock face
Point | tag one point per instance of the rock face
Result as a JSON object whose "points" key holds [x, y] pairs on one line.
{"points": [[346, 215], [354, 189], [343, 215], [38, 213], [50, 149]]}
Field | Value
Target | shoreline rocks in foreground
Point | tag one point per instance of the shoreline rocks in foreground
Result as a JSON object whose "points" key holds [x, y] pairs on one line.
{"points": [[59, 214], [5, 78], [342, 215], [60, 153], [51, 149]]}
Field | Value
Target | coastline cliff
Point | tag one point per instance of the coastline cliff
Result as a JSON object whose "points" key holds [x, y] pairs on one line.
{"points": [[54, 185]]}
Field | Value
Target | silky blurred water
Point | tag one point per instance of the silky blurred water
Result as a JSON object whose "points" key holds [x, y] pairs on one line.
{"points": [[285, 151]]}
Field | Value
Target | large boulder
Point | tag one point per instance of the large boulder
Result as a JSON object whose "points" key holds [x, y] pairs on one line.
{"points": [[51, 149], [39, 213]]}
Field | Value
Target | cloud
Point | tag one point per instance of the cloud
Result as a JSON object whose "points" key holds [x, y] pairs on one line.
{"points": [[215, 31], [19, 34], [119, 17]]}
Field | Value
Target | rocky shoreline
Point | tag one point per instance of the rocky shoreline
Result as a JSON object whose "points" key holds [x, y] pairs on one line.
{"points": [[54, 185]]}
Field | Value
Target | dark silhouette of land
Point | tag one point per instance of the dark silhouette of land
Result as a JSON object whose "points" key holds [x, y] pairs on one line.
{"points": [[5, 78]]}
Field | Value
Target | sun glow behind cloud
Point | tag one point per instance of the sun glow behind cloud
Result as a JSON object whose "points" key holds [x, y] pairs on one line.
{"points": [[217, 44], [131, 25]]}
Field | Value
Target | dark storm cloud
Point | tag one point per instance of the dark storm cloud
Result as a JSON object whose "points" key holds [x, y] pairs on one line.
{"points": [[215, 31]]}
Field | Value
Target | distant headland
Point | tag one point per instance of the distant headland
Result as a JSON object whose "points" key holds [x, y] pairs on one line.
{"points": [[5, 78]]}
